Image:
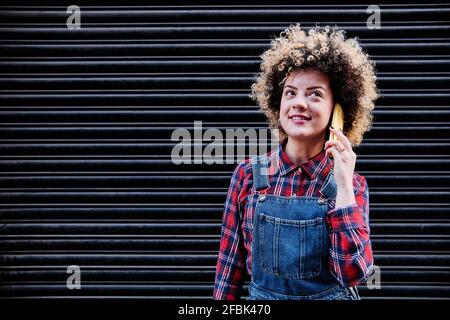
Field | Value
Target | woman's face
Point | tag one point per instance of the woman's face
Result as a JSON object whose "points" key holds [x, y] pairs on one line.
{"points": [[306, 94]]}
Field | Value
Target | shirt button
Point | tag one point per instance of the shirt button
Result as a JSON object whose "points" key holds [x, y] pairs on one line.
{"points": [[322, 200], [262, 198], [293, 195]]}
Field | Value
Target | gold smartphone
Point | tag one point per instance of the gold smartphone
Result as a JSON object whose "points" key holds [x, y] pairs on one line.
{"points": [[337, 120]]}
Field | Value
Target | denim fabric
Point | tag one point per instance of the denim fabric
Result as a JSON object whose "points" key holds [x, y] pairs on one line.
{"points": [[291, 244]]}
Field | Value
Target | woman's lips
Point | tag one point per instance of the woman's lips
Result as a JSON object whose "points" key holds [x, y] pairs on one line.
{"points": [[299, 119]]}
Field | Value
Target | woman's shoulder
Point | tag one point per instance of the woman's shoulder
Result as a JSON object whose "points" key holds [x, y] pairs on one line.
{"points": [[243, 169]]}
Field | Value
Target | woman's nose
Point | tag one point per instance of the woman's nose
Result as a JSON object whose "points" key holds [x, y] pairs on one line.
{"points": [[299, 103], [301, 106]]}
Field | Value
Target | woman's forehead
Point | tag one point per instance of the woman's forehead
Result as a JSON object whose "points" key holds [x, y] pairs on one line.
{"points": [[308, 78]]}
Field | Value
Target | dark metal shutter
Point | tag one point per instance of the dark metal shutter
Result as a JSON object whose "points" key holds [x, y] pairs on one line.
{"points": [[86, 120]]}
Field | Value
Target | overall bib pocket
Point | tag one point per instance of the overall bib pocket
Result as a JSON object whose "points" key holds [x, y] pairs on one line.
{"points": [[290, 248]]}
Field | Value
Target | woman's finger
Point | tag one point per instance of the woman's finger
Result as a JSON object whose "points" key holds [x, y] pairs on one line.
{"points": [[334, 151], [341, 136], [336, 143], [329, 143]]}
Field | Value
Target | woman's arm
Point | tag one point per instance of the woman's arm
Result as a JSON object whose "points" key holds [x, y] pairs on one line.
{"points": [[351, 257], [230, 266]]}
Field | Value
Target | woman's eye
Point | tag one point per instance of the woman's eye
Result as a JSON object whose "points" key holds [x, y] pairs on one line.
{"points": [[317, 93], [287, 92]]}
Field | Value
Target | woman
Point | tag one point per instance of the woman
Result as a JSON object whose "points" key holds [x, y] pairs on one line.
{"points": [[297, 218]]}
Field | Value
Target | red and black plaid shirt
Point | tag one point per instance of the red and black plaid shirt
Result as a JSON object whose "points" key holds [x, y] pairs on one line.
{"points": [[350, 253]]}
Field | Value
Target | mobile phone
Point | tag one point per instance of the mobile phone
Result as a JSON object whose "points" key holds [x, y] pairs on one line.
{"points": [[337, 121]]}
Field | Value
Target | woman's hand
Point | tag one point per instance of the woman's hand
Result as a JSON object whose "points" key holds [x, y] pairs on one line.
{"points": [[344, 166]]}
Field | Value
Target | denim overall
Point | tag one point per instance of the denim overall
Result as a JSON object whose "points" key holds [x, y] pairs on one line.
{"points": [[291, 244]]}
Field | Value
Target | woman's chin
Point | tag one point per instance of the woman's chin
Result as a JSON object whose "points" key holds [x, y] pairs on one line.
{"points": [[297, 134]]}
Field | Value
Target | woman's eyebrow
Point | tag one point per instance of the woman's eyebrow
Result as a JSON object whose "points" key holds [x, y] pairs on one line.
{"points": [[309, 88], [315, 87]]}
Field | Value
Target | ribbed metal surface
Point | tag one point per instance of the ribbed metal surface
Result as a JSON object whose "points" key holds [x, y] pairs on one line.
{"points": [[86, 118]]}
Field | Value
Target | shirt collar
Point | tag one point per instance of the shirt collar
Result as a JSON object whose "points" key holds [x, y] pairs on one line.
{"points": [[312, 167]]}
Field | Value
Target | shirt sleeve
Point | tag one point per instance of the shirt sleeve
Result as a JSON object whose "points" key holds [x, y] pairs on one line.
{"points": [[351, 258], [230, 266]]}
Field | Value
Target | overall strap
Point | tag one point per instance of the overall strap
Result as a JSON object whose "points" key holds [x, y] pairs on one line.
{"points": [[329, 188], [260, 172]]}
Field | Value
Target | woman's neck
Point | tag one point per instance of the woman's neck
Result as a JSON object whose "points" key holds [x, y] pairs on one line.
{"points": [[301, 151]]}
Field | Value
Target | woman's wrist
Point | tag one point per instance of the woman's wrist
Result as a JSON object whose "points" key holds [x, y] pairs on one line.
{"points": [[344, 196]]}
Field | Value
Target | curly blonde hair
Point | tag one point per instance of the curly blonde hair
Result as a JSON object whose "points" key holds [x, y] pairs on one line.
{"points": [[351, 72]]}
